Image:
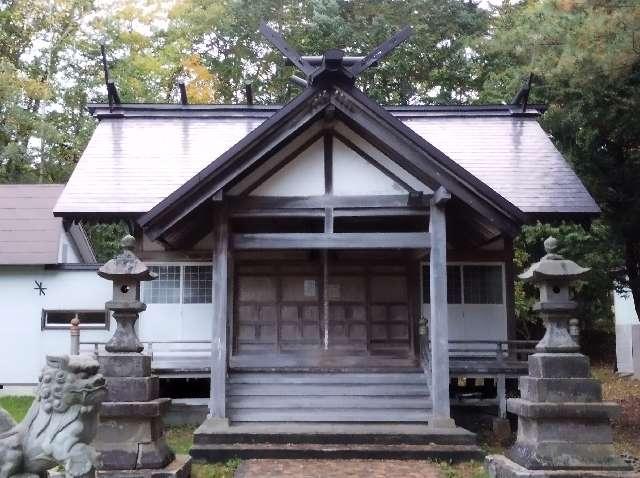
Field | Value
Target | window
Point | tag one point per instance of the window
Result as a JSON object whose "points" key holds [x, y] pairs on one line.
{"points": [[196, 288], [482, 284], [454, 285], [95, 319], [166, 288], [179, 284]]}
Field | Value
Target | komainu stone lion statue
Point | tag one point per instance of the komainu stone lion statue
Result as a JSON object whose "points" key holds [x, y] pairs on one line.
{"points": [[60, 424]]}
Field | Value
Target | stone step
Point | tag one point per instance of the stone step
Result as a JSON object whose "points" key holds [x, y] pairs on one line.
{"points": [[345, 389], [328, 378], [215, 432], [421, 402], [219, 452], [330, 415]]}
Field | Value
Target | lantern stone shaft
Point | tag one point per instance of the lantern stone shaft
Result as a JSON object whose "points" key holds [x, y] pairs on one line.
{"points": [[126, 272], [553, 275]]}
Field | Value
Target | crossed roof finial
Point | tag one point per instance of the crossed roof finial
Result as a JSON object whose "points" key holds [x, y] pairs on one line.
{"points": [[334, 61]]}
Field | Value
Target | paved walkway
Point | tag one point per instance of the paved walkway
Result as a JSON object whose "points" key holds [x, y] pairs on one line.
{"points": [[336, 469]]}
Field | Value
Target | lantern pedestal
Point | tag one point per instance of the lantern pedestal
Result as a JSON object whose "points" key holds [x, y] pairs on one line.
{"points": [[130, 437], [564, 427]]}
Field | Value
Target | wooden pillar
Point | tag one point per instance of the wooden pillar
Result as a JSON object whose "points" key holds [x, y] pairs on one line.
{"points": [[510, 284], [439, 325], [220, 262]]}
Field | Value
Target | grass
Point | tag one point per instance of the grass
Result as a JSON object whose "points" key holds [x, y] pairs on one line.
{"points": [[470, 469], [626, 392], [17, 406], [180, 440]]}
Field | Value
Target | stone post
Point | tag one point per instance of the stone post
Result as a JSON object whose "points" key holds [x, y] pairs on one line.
{"points": [[130, 437], [74, 332], [564, 427]]}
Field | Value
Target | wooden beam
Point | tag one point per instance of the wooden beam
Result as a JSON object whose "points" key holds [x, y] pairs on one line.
{"points": [[441, 196], [220, 262], [439, 321], [344, 240], [381, 51], [509, 286], [184, 99], [380, 212], [319, 202], [328, 163], [281, 44], [328, 220]]}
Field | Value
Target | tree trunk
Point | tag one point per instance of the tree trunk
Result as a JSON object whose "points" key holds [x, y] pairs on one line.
{"points": [[632, 259]]}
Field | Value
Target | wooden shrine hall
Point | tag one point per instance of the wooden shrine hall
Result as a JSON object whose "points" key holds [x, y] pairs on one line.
{"points": [[347, 243]]}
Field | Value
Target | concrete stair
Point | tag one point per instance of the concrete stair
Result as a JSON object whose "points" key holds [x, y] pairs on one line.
{"points": [[216, 440], [328, 397], [330, 415]]}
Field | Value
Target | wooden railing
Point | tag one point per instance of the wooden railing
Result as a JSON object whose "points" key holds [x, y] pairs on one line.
{"points": [[182, 351], [498, 350]]}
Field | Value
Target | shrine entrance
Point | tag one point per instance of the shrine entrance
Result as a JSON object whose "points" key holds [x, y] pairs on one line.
{"points": [[326, 310]]}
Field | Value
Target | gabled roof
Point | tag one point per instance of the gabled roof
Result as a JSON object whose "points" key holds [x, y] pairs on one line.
{"points": [[29, 233], [140, 154]]}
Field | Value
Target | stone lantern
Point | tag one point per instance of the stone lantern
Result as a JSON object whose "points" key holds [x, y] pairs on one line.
{"points": [[552, 276], [126, 272], [564, 427], [130, 436]]}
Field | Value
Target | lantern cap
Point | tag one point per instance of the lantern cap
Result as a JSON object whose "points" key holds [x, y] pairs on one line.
{"points": [[553, 266], [126, 266]]}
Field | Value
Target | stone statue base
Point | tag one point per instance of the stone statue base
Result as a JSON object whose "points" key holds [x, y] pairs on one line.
{"points": [[180, 467], [500, 466], [564, 427], [131, 438]]}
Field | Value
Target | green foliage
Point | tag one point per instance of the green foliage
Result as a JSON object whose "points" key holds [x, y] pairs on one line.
{"points": [[588, 247], [180, 439], [436, 65], [105, 239], [586, 59], [17, 406]]}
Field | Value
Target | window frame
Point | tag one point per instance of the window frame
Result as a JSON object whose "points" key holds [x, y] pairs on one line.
{"points": [[462, 265], [44, 325], [182, 266]]}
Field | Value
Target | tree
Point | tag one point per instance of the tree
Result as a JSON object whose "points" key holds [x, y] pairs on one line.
{"points": [[585, 56], [34, 37], [436, 65]]}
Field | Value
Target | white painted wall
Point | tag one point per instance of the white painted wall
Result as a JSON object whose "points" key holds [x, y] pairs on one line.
{"points": [[304, 176], [23, 343], [627, 333], [353, 175], [67, 252], [476, 321]]}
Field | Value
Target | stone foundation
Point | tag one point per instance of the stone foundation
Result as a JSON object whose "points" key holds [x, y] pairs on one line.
{"points": [[131, 437], [499, 466], [564, 428]]}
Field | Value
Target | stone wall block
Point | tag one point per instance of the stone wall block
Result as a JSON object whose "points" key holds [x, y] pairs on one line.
{"points": [[560, 389], [154, 455], [132, 389], [154, 408], [566, 456], [563, 410], [557, 365], [122, 456], [125, 365], [585, 431], [133, 430]]}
